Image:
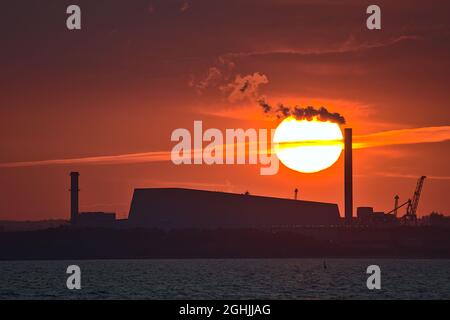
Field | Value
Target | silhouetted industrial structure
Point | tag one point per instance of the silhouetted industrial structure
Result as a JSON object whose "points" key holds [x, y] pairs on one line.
{"points": [[348, 175], [86, 219], [367, 216], [411, 210], [396, 198], [172, 208], [74, 189]]}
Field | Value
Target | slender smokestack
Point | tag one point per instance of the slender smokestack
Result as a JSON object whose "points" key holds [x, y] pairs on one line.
{"points": [[74, 196], [396, 205], [348, 176]]}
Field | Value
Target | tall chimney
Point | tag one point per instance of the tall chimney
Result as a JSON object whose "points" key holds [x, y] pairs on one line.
{"points": [[348, 180], [396, 205], [74, 196]]}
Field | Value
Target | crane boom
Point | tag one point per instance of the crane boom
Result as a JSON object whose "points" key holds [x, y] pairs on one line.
{"points": [[411, 210], [399, 206], [415, 200]]}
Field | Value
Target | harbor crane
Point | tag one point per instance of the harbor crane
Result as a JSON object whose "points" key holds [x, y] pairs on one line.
{"points": [[410, 217]]}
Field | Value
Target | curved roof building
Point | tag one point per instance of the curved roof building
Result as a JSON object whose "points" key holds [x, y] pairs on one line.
{"points": [[172, 208]]}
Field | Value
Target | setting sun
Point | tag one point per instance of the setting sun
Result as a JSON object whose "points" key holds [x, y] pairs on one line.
{"points": [[308, 146]]}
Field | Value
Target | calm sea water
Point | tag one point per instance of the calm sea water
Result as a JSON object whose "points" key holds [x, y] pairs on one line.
{"points": [[226, 279]]}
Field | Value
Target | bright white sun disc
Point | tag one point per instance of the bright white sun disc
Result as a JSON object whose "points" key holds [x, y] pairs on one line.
{"points": [[308, 146]]}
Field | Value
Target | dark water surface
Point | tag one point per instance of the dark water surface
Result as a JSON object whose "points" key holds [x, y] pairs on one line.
{"points": [[226, 279]]}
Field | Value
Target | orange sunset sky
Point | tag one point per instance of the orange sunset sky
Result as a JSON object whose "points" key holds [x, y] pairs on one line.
{"points": [[104, 100]]}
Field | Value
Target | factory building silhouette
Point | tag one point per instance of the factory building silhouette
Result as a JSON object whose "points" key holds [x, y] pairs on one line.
{"points": [[185, 208], [174, 208]]}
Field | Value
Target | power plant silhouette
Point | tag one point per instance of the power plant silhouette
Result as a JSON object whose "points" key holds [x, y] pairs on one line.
{"points": [[185, 223], [173, 208]]}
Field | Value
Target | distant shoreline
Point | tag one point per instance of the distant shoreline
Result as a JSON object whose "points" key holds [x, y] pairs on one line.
{"points": [[243, 259], [66, 243]]}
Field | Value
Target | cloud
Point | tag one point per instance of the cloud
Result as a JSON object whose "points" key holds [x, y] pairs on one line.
{"points": [[155, 156], [351, 45], [215, 76], [221, 78], [387, 174], [386, 138], [244, 87], [212, 79], [184, 184], [408, 176], [402, 137]]}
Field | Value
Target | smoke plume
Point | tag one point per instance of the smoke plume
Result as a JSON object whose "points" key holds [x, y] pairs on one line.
{"points": [[301, 113], [244, 88]]}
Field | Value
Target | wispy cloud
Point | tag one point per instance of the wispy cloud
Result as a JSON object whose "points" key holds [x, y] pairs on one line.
{"points": [[386, 138], [402, 175], [156, 156], [403, 136], [186, 184], [223, 76], [351, 45]]}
